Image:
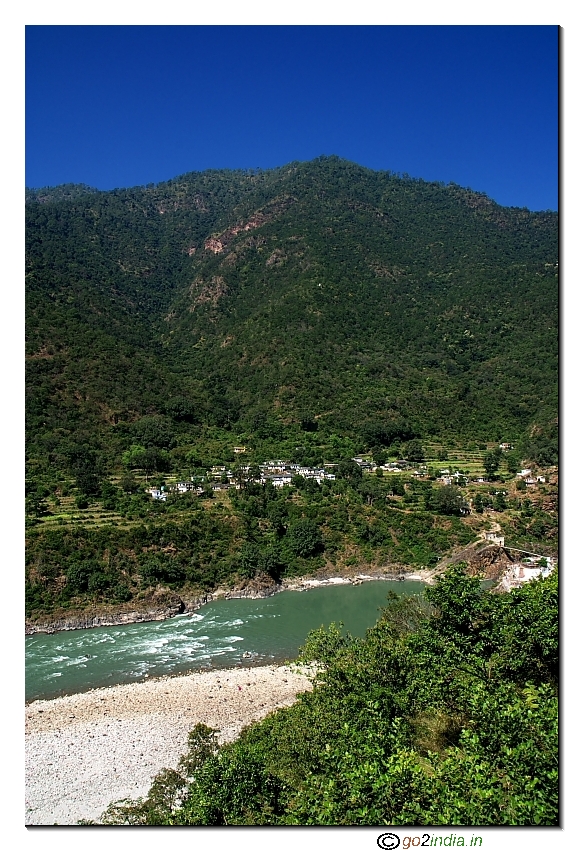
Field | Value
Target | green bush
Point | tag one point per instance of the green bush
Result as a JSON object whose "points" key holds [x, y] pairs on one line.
{"points": [[304, 538], [444, 714]]}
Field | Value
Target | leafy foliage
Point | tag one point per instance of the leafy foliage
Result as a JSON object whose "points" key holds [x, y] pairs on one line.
{"points": [[445, 714]]}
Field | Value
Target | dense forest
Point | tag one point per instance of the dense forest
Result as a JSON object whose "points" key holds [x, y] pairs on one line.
{"points": [[445, 714], [250, 301]]}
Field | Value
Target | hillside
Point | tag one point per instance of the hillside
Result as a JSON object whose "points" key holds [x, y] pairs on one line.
{"points": [[252, 300], [190, 331], [318, 369]]}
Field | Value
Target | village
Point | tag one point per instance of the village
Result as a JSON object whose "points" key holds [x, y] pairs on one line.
{"points": [[280, 473], [277, 472], [523, 567]]}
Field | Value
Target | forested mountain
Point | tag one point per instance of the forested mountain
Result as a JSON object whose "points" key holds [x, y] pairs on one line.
{"points": [[379, 304]]}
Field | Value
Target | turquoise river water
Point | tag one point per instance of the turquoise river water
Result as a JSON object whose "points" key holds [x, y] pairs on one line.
{"points": [[224, 633]]}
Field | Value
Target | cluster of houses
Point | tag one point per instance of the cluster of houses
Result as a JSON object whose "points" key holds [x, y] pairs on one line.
{"points": [[529, 479], [278, 472]]}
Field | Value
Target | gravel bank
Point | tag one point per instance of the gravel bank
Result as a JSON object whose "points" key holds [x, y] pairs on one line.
{"points": [[87, 750]]}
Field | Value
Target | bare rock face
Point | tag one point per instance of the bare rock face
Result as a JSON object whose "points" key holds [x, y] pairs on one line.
{"points": [[489, 563], [159, 605], [258, 587]]}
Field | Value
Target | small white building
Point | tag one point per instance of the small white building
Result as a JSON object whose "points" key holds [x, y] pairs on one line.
{"points": [[493, 537], [527, 572], [184, 486], [281, 480], [159, 495], [364, 464]]}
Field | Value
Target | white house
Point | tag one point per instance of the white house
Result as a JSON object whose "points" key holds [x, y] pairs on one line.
{"points": [[160, 495], [493, 537], [528, 572]]}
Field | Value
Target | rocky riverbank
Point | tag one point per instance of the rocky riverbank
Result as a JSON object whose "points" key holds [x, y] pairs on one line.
{"points": [[160, 605], [164, 603], [87, 750]]}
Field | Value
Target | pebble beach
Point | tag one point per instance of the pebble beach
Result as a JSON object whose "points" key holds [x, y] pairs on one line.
{"points": [[87, 750]]}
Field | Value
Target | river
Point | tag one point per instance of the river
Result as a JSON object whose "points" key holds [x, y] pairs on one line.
{"points": [[224, 633]]}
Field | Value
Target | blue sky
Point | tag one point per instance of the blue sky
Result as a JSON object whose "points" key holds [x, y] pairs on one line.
{"points": [[117, 106]]}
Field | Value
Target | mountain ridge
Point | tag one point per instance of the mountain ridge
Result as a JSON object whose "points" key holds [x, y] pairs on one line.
{"points": [[314, 287]]}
